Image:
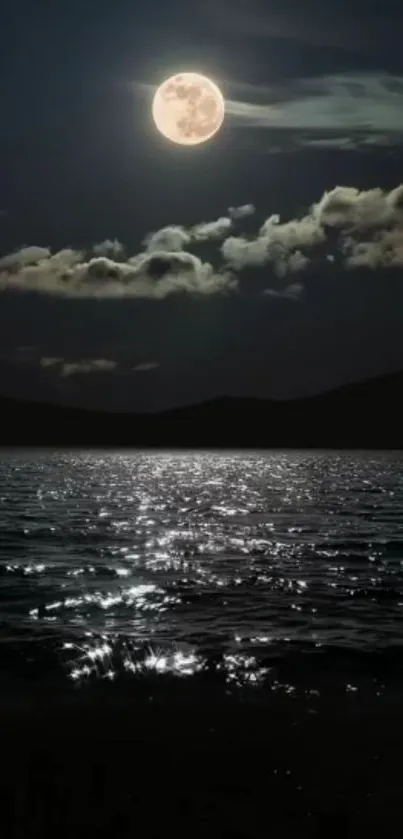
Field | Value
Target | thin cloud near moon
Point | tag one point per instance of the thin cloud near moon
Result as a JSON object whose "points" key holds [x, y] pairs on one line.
{"points": [[346, 111]]}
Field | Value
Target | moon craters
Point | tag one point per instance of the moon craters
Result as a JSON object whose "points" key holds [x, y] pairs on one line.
{"points": [[188, 108]]}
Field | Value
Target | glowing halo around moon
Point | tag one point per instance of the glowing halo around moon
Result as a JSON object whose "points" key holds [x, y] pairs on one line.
{"points": [[188, 109]]}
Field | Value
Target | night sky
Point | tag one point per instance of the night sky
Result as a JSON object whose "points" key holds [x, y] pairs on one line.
{"points": [[137, 274]]}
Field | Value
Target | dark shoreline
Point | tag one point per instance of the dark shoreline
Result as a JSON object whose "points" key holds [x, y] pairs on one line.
{"points": [[99, 761], [364, 415]]}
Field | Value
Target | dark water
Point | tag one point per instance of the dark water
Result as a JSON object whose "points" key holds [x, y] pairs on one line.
{"points": [[282, 570]]}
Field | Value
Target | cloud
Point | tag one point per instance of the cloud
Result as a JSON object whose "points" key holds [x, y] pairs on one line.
{"points": [[355, 228], [146, 366], [348, 207], [175, 237], [171, 238], [346, 111], [147, 275], [384, 251], [364, 228], [52, 361], [73, 368], [32, 356], [164, 268], [211, 229], [241, 212], [25, 256], [291, 292], [110, 248], [276, 243]]}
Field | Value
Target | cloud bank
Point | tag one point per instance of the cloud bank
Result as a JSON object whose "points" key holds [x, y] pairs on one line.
{"points": [[164, 267], [355, 229]]}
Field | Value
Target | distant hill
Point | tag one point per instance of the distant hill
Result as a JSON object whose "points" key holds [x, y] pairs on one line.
{"points": [[364, 415]]}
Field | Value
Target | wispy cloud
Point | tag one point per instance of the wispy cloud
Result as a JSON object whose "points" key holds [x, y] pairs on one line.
{"points": [[346, 110], [241, 212], [146, 366], [73, 368], [291, 292], [33, 356]]}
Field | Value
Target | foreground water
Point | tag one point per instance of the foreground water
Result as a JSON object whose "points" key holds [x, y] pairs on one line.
{"points": [[282, 570]]}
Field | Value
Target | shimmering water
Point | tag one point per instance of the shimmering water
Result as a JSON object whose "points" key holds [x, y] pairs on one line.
{"points": [[280, 569]]}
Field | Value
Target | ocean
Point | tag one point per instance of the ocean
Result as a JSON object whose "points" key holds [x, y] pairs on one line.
{"points": [[274, 572]]}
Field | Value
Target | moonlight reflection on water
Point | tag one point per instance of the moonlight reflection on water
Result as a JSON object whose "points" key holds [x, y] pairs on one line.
{"points": [[252, 567]]}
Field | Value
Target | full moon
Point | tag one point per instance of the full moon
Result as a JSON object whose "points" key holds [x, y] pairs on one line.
{"points": [[188, 109]]}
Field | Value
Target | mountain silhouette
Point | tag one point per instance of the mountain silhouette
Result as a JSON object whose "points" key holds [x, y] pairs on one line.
{"points": [[367, 414]]}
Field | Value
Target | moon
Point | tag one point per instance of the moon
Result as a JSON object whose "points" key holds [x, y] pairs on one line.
{"points": [[188, 109]]}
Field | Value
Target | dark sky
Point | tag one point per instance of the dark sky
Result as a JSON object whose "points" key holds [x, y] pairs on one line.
{"points": [[313, 134]]}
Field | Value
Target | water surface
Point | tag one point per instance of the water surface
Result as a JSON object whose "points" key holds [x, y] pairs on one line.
{"points": [[280, 569]]}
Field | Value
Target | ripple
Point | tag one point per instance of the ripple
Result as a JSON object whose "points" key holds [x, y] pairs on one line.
{"points": [[180, 554]]}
